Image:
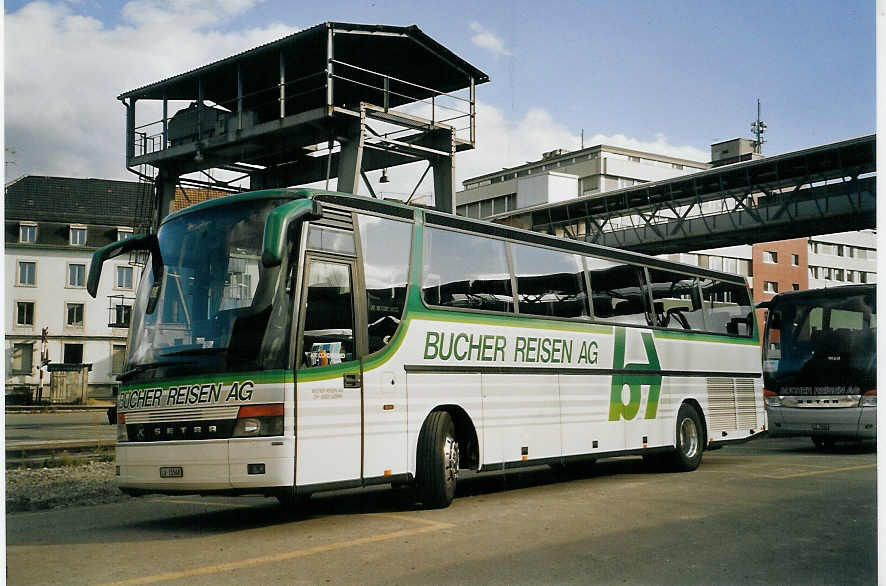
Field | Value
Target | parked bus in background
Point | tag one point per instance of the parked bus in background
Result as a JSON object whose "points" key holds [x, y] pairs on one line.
{"points": [[285, 342], [820, 364]]}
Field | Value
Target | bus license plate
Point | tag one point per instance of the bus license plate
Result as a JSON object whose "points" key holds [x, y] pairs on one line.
{"points": [[171, 472], [821, 427]]}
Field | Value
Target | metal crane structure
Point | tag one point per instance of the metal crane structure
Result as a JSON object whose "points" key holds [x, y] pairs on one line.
{"points": [[336, 100]]}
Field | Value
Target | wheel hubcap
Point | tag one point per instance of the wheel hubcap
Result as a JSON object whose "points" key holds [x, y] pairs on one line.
{"points": [[688, 438], [450, 459]]}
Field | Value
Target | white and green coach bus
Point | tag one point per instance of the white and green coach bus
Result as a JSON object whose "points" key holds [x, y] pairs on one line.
{"points": [[285, 342]]}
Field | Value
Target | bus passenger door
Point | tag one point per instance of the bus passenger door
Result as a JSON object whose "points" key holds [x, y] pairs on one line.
{"points": [[329, 387]]}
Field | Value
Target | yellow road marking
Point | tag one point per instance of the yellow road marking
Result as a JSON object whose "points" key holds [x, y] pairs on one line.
{"points": [[428, 526], [819, 472]]}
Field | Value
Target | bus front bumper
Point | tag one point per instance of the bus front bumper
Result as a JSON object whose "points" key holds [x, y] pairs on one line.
{"points": [[840, 422], [205, 466]]}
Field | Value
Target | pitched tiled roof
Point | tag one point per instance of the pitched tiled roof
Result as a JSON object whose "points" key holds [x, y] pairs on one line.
{"points": [[89, 201], [68, 200]]}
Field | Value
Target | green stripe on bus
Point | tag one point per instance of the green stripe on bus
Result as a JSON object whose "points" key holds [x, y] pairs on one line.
{"points": [[258, 377]]}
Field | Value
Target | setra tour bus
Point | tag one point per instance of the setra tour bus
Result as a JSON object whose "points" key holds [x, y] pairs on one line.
{"points": [[285, 342], [820, 364]]}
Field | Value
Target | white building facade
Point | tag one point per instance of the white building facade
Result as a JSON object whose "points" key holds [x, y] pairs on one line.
{"points": [[53, 225], [560, 175]]}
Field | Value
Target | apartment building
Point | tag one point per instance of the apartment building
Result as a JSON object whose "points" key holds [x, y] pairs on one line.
{"points": [[53, 226], [560, 175]]}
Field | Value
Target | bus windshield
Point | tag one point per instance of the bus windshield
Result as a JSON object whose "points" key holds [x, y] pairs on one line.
{"points": [[821, 344], [215, 297]]}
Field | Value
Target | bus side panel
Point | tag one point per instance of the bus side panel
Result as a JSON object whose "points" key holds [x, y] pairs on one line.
{"points": [[584, 407], [328, 429], [384, 404], [521, 414], [429, 390]]}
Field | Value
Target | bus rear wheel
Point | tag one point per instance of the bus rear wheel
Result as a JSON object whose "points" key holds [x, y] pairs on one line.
{"points": [[690, 439], [437, 464]]}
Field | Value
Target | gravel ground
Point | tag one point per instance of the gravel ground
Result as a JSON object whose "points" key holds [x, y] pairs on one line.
{"points": [[31, 489]]}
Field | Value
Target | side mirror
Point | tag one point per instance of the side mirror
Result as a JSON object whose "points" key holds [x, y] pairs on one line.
{"points": [[277, 226], [144, 242]]}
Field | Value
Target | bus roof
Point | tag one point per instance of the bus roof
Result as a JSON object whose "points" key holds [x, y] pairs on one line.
{"points": [[838, 291]]}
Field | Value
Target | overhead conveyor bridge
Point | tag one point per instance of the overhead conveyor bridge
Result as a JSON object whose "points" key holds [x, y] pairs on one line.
{"points": [[821, 190]]}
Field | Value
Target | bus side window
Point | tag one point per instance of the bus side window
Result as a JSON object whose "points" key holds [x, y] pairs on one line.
{"points": [[385, 246], [328, 315], [549, 282], [728, 308], [466, 271], [616, 292], [676, 301]]}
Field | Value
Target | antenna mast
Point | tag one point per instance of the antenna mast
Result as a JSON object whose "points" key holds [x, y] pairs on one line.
{"points": [[758, 127]]}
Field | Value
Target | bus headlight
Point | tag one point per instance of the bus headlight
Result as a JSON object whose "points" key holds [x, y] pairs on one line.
{"points": [[259, 420], [869, 398], [772, 400]]}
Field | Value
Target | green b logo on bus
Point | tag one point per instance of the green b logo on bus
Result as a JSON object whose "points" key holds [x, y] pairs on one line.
{"points": [[618, 409]]}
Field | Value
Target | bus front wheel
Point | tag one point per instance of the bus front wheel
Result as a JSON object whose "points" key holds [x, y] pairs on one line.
{"points": [[690, 439], [437, 464]]}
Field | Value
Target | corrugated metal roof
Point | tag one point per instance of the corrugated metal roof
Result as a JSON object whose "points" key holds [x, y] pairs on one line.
{"points": [[149, 91]]}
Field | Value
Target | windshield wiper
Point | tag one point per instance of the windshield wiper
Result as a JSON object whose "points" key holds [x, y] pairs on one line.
{"points": [[150, 365], [196, 352]]}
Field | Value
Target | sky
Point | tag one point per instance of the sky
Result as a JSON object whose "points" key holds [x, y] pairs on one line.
{"points": [[666, 77]]}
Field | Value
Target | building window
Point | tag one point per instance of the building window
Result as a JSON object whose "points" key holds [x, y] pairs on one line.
{"points": [[770, 257], [838, 248], [122, 315], [74, 315], [730, 265], [76, 275], [22, 359], [795, 260], [27, 273], [27, 232], [118, 358], [78, 235], [73, 354], [24, 313], [124, 278], [838, 274], [123, 233], [770, 286], [716, 263], [850, 276], [676, 165], [795, 286]]}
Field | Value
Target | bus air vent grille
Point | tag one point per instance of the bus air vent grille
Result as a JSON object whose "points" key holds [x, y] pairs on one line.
{"points": [[721, 405], [336, 218], [165, 415], [745, 403], [731, 404]]}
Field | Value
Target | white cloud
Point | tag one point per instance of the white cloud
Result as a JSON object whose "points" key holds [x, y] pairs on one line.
{"points": [[65, 70], [488, 40]]}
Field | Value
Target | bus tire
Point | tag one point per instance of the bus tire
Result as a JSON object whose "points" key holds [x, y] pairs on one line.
{"points": [[437, 463], [690, 439]]}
